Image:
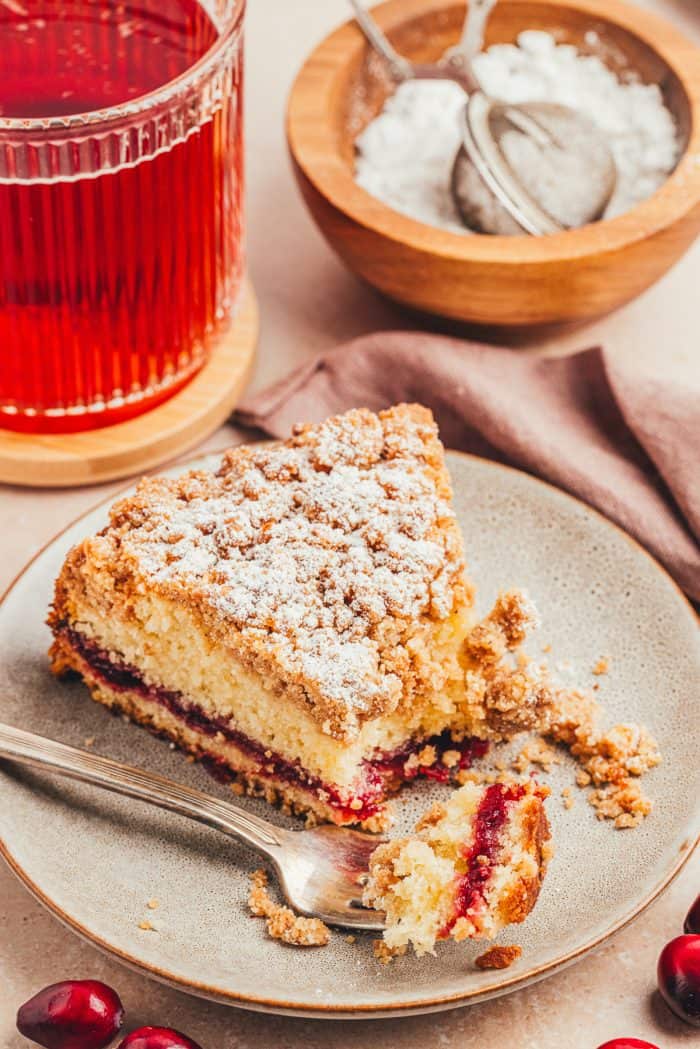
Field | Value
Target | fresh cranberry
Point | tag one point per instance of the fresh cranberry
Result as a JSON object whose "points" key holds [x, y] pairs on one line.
{"points": [[692, 919], [75, 1014], [627, 1043], [678, 974], [157, 1038]]}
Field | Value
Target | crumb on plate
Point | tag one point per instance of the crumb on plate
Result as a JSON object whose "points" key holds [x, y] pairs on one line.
{"points": [[386, 954], [609, 760], [498, 957], [536, 751], [282, 923]]}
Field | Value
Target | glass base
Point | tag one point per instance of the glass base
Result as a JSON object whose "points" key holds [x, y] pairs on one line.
{"points": [[77, 420]]}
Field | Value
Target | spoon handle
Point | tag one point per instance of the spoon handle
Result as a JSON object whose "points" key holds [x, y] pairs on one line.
{"points": [[399, 67], [461, 56], [26, 748], [473, 30]]}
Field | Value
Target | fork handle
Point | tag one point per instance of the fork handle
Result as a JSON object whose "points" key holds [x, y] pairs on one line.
{"points": [[26, 748]]}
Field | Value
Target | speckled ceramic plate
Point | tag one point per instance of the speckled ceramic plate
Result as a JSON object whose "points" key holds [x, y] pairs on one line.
{"points": [[95, 859]]}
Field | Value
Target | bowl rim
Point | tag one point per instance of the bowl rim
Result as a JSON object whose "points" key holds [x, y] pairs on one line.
{"points": [[313, 147]]}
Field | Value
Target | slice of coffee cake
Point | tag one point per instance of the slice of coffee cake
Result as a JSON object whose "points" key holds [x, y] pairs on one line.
{"points": [[474, 866], [299, 617]]}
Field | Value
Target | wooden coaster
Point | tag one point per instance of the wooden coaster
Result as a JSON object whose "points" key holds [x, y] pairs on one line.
{"points": [[66, 460]]}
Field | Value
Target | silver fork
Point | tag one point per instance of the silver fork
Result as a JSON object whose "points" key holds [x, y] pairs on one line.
{"points": [[320, 871]]}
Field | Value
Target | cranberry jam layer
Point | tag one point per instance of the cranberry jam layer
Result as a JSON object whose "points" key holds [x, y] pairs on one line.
{"points": [[301, 615], [475, 865], [233, 755]]}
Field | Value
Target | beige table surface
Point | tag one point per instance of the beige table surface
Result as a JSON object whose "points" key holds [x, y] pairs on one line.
{"points": [[309, 303]]}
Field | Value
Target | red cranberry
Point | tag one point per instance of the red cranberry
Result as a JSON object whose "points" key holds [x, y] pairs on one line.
{"points": [[692, 919], [75, 1014], [157, 1038], [627, 1043], [679, 977]]}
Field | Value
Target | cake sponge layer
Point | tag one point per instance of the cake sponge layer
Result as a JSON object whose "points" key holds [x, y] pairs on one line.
{"points": [[162, 639], [474, 866]]}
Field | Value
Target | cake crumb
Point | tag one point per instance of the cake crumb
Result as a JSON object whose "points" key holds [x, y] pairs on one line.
{"points": [[351, 939], [259, 902], [546, 648], [602, 666], [498, 957], [450, 758], [386, 954], [427, 756], [153, 904], [433, 816], [536, 751], [237, 788], [293, 929], [469, 776], [89, 742], [609, 760], [147, 926], [282, 923], [462, 930]]}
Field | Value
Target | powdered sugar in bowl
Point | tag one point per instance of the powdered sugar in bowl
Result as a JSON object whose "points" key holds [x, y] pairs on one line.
{"points": [[505, 282]]}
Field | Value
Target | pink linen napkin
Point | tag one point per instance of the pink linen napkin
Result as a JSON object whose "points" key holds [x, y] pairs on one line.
{"points": [[625, 443]]}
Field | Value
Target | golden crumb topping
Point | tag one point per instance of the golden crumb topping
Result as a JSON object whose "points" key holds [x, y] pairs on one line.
{"points": [[324, 551]]}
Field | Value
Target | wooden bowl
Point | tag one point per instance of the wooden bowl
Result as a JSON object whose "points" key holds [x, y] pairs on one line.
{"points": [[506, 282]]}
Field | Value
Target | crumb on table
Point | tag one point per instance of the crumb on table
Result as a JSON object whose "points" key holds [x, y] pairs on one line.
{"points": [[282, 923], [602, 666], [147, 926], [498, 957], [153, 904]]}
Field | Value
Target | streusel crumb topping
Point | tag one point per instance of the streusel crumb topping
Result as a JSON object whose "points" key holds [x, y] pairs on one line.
{"points": [[324, 549]]}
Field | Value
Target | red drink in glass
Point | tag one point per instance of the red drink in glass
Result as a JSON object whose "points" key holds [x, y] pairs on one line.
{"points": [[120, 202]]}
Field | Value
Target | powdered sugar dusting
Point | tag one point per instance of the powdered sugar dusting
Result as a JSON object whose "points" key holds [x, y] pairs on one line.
{"points": [[326, 547], [405, 155]]}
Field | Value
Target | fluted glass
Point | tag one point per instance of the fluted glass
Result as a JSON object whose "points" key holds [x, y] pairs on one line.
{"points": [[121, 241]]}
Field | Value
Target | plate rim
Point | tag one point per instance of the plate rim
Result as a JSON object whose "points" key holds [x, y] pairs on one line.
{"points": [[368, 1010]]}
